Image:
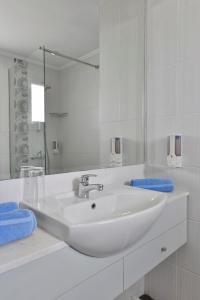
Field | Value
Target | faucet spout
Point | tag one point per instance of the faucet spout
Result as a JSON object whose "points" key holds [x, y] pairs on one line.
{"points": [[85, 187]]}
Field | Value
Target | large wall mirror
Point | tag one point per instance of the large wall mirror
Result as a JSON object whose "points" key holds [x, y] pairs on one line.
{"points": [[71, 85]]}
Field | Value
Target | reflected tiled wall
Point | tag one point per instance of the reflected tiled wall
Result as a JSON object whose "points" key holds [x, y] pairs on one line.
{"points": [[173, 92], [122, 78], [79, 132]]}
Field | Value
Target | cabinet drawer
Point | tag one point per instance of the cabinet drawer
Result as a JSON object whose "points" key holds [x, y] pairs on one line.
{"points": [[106, 285], [144, 259]]}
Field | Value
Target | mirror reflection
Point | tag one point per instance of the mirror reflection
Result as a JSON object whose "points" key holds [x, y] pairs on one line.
{"points": [[72, 89]]}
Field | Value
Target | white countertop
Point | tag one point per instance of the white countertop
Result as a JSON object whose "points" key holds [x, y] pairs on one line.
{"points": [[23, 251]]}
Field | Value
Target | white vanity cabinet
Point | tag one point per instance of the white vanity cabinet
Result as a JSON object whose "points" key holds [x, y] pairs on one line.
{"points": [[144, 259], [69, 275], [105, 285]]}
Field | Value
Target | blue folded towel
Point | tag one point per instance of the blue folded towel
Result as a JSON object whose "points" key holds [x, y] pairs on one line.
{"points": [[8, 206], [155, 184], [16, 225]]}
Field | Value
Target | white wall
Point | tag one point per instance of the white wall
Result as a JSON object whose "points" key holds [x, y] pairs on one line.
{"points": [[79, 131], [173, 76], [122, 77]]}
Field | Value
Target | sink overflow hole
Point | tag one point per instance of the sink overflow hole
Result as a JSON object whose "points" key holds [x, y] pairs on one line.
{"points": [[93, 206]]}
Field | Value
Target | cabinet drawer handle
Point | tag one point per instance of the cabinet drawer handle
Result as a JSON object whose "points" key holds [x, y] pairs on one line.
{"points": [[163, 249]]}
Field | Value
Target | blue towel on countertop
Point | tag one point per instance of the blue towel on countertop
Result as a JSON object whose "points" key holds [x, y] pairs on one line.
{"points": [[8, 206], [16, 225], [155, 184]]}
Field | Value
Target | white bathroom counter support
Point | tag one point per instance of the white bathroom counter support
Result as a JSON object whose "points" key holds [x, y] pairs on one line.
{"points": [[65, 274]]}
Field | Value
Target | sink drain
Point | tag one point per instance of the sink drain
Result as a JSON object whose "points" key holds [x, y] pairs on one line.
{"points": [[93, 206]]}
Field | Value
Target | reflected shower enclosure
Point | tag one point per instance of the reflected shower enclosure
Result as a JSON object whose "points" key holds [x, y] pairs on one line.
{"points": [[71, 112]]}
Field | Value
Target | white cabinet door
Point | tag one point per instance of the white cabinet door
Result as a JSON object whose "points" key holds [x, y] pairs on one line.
{"points": [[105, 285], [145, 258]]}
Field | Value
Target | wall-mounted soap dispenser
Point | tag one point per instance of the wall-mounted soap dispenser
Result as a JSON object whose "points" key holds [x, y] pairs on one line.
{"points": [[174, 152], [116, 156]]}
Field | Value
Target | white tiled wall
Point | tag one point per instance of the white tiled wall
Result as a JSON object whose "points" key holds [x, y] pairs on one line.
{"points": [[122, 78], [173, 92]]}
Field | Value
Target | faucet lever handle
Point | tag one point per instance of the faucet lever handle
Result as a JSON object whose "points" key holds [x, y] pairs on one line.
{"points": [[85, 178]]}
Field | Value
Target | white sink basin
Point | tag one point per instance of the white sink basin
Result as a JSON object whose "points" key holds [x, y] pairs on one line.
{"points": [[105, 225], [112, 223]]}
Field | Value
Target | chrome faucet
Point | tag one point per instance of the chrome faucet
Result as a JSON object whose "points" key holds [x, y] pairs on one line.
{"points": [[85, 187]]}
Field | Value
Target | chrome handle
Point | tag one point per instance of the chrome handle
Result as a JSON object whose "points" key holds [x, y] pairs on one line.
{"points": [[85, 178]]}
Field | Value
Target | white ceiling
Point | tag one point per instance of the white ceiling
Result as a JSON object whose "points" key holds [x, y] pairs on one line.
{"points": [[68, 26]]}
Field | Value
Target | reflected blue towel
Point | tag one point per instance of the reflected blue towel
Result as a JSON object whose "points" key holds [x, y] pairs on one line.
{"points": [[155, 184], [8, 206], [16, 225]]}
